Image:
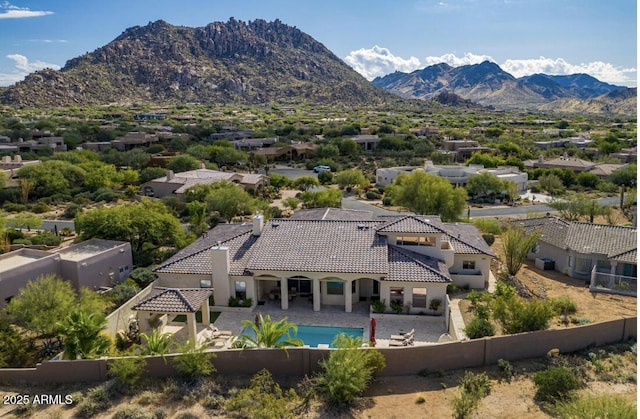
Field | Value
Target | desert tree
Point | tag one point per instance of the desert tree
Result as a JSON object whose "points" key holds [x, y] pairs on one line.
{"points": [[516, 244]]}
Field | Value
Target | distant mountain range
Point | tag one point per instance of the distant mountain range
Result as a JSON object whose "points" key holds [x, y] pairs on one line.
{"points": [[487, 84], [260, 61], [232, 62]]}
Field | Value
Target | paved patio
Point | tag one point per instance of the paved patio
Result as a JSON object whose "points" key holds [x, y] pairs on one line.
{"points": [[301, 312]]}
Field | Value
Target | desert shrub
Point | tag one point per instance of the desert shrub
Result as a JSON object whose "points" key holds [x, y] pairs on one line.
{"points": [[13, 207], [146, 398], [13, 234], [325, 177], [40, 208], [71, 211], [132, 412], [142, 276], [372, 195], [386, 201], [506, 369], [262, 399], [479, 327], [564, 305], [517, 316], [555, 383], [477, 384], [187, 415], [123, 292], [489, 238], [379, 306], [194, 362], [597, 406], [464, 405], [348, 370], [97, 400], [488, 226], [397, 307], [160, 413], [46, 238], [105, 194], [128, 370]]}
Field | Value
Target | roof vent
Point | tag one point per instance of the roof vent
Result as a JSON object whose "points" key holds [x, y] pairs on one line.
{"points": [[274, 225]]}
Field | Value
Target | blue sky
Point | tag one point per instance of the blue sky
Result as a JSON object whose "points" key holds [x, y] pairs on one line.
{"points": [[375, 37]]}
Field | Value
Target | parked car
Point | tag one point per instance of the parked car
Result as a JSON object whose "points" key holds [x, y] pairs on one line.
{"points": [[319, 169]]}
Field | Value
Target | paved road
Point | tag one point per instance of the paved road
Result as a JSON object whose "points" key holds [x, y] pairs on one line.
{"points": [[500, 211]]}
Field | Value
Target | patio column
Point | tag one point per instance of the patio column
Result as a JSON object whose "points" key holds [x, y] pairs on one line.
{"points": [[191, 326], [284, 293], [316, 294], [206, 315], [614, 264], [347, 296]]}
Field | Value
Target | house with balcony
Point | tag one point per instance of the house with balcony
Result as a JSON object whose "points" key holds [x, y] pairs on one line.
{"points": [[333, 260], [586, 250]]}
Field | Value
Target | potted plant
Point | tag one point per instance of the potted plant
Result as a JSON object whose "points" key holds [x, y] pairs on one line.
{"points": [[397, 306], [379, 306]]}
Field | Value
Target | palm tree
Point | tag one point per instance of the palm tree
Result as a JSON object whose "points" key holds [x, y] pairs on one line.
{"points": [[156, 343], [83, 337], [269, 334]]}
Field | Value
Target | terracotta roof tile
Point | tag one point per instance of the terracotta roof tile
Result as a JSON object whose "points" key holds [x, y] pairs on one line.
{"points": [[174, 300]]}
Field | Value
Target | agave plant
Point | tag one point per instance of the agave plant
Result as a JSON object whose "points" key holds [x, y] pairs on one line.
{"points": [[156, 343]]}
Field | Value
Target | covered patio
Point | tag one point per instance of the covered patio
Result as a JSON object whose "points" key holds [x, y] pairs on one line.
{"points": [[164, 303]]}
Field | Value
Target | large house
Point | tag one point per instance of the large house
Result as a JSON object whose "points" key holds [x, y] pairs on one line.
{"points": [[458, 175], [576, 248], [176, 184], [333, 258], [93, 263]]}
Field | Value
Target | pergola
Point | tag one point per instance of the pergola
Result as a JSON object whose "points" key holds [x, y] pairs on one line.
{"points": [[179, 301]]}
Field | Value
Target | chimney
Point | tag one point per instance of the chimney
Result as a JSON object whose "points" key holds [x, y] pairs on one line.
{"points": [[220, 259], [170, 175], [258, 223], [17, 158]]}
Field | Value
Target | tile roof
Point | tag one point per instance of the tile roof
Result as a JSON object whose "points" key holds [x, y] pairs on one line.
{"points": [[466, 239], [405, 265], [174, 300], [196, 258], [320, 246], [586, 238], [413, 224], [332, 214]]}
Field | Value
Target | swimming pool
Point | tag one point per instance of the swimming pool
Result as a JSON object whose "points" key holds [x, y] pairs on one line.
{"points": [[315, 335]]}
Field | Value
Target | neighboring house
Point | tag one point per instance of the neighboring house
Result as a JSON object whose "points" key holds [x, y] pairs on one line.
{"points": [[248, 144], [93, 263], [367, 142], [133, 140], [458, 175], [564, 162], [577, 247], [176, 184], [333, 259], [293, 151], [11, 166]]}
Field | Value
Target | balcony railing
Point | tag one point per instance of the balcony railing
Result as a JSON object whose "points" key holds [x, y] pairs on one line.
{"points": [[614, 284]]}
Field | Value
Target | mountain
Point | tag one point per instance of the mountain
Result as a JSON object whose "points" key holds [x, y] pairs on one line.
{"points": [[232, 62], [487, 84]]}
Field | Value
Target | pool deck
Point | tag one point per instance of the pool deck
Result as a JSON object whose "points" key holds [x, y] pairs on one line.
{"points": [[301, 312]]}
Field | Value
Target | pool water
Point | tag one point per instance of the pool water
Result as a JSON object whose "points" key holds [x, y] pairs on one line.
{"points": [[315, 335]]}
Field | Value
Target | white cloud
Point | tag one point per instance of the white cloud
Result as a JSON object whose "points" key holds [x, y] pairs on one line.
{"points": [[378, 61], [602, 71], [10, 11], [23, 67], [454, 61]]}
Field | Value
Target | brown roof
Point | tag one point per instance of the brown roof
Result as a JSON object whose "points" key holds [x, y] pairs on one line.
{"points": [[320, 246], [174, 300]]}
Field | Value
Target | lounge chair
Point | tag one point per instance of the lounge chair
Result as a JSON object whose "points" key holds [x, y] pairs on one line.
{"points": [[404, 335], [402, 340]]}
